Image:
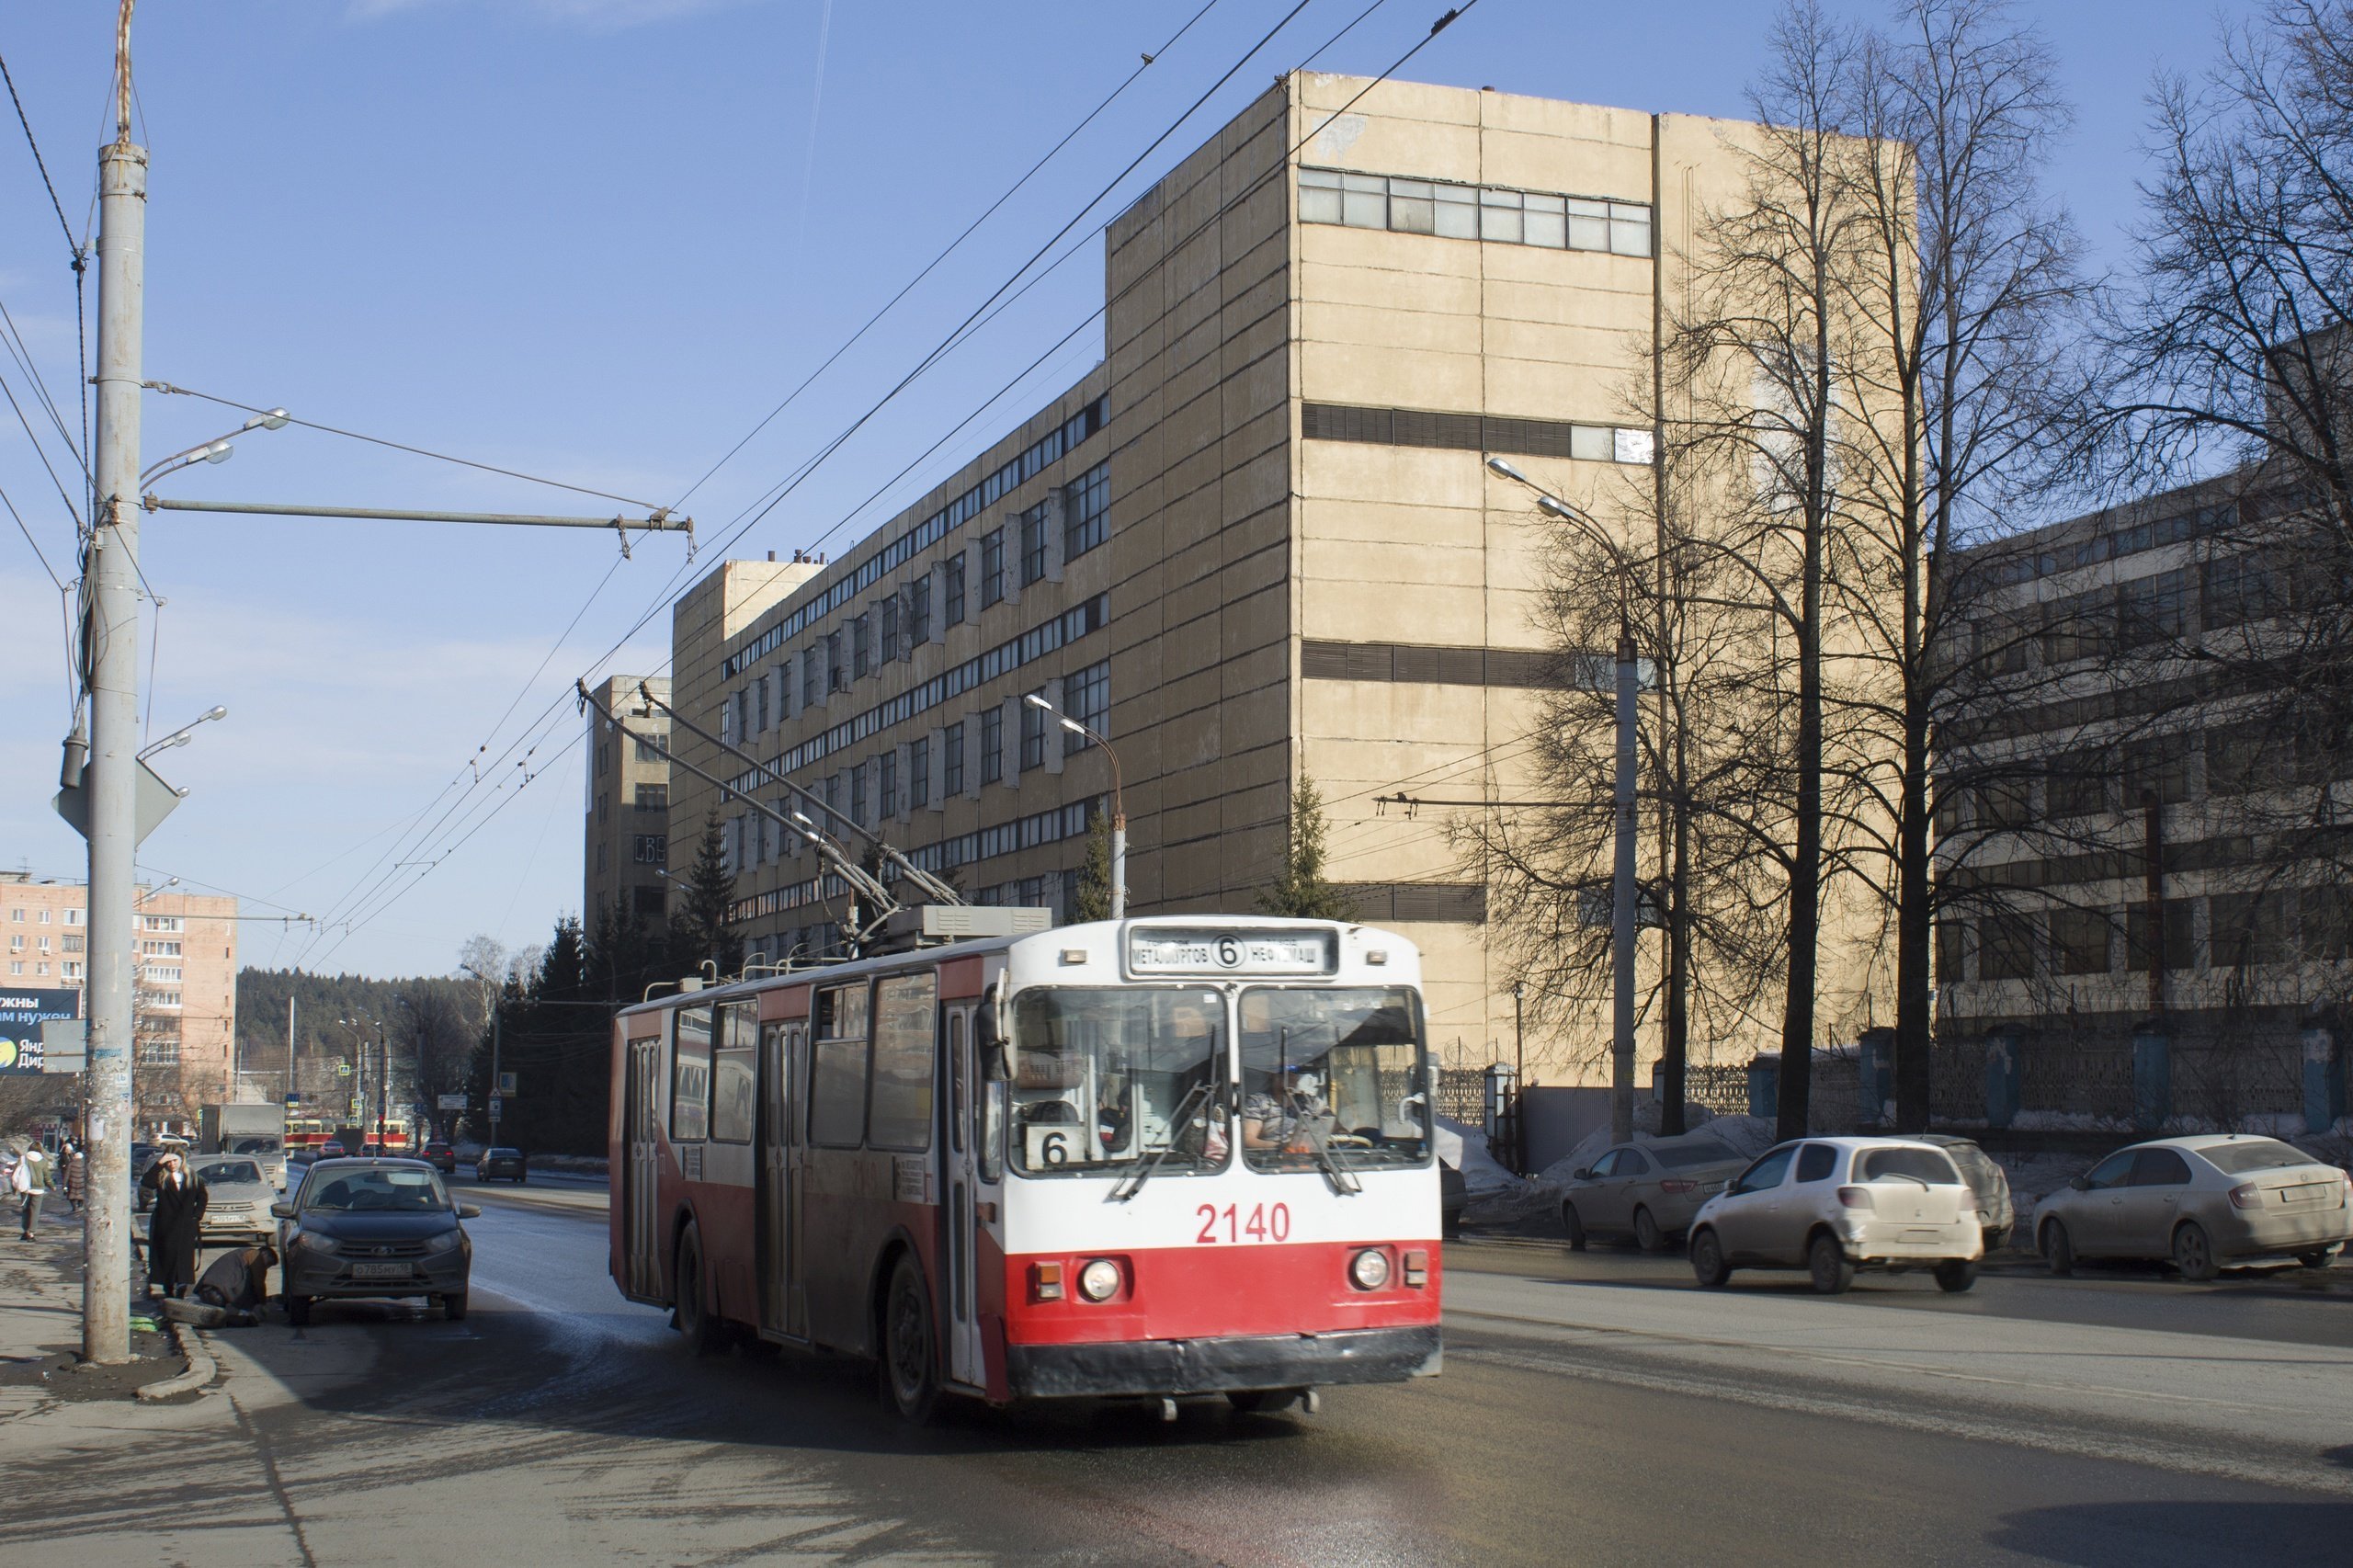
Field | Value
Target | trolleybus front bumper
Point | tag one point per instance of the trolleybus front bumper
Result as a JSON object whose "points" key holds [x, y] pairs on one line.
{"points": [[1217, 1366]]}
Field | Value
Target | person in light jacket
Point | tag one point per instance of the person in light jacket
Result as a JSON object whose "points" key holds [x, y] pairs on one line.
{"points": [[174, 1227], [30, 1181]]}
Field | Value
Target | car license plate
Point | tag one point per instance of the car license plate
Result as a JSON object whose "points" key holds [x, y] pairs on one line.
{"points": [[2301, 1194], [379, 1271]]}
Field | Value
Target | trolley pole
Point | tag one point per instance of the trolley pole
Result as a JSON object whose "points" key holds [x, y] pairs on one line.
{"points": [[109, 640]]}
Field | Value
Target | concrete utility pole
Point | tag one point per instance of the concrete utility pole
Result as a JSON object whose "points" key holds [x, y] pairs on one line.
{"points": [[111, 643], [1621, 916]]}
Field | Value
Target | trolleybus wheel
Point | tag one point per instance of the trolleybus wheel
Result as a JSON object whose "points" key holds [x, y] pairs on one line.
{"points": [[909, 1375], [706, 1335], [1262, 1402]]}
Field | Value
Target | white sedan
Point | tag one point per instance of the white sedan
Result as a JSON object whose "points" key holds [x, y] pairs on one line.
{"points": [[1832, 1205]]}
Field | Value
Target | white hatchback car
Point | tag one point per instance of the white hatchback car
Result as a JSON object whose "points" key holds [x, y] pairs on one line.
{"points": [[1832, 1205]]}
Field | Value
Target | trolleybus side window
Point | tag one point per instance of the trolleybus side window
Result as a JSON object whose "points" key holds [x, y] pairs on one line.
{"points": [[690, 1077], [959, 1086], [732, 1075], [899, 1114], [837, 1068], [1332, 1073], [1109, 1077]]}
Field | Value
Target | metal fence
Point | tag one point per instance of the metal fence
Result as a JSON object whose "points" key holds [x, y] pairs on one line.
{"points": [[1463, 1094]]}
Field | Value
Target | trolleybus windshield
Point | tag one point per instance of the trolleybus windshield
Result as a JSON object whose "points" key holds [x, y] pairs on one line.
{"points": [[1332, 1074], [1104, 1078]]}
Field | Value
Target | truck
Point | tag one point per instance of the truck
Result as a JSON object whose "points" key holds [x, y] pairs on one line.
{"points": [[256, 1130]]}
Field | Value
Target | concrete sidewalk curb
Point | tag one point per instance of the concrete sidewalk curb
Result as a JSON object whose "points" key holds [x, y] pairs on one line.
{"points": [[201, 1367]]}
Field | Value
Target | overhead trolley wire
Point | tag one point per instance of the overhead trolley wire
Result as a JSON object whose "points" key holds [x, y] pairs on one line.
{"points": [[753, 516]]}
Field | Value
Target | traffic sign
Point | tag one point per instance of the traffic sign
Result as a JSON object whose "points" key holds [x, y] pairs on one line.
{"points": [[494, 1107], [452, 1102], [506, 1083], [343, 1069], [294, 1099]]}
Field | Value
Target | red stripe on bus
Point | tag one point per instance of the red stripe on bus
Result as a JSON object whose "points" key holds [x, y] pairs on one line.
{"points": [[1201, 1292]]}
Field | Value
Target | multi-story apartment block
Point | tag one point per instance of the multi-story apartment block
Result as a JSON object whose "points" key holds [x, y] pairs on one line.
{"points": [[1258, 542], [2125, 881], [626, 854], [184, 988]]}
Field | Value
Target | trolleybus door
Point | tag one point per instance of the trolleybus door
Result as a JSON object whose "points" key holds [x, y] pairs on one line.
{"points": [[964, 1360], [640, 1195], [783, 1303]]}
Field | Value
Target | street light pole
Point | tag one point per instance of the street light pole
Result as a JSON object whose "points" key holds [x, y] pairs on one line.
{"points": [[1118, 802], [109, 653]]}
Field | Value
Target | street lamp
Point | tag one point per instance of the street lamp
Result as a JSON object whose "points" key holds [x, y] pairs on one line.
{"points": [[184, 734], [1621, 914], [1119, 801], [217, 450]]}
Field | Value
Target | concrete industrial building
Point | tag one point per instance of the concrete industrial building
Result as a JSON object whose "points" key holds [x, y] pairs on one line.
{"points": [[625, 854], [1258, 542], [185, 992]]}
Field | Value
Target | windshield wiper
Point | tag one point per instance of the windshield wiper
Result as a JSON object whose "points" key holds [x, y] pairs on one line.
{"points": [[1344, 1177], [1134, 1184]]}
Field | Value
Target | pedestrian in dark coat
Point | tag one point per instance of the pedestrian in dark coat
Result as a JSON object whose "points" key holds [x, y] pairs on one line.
{"points": [[76, 1170], [173, 1228]]}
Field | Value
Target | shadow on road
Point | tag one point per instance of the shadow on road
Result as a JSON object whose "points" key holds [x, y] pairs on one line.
{"points": [[2097, 1534]]}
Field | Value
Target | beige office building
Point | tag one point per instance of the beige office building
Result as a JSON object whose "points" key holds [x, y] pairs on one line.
{"points": [[184, 1002], [625, 854], [1258, 541]]}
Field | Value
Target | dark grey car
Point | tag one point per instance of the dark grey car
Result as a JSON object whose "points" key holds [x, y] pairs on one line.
{"points": [[374, 1228]]}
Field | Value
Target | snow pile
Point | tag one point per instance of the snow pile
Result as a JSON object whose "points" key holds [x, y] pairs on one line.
{"points": [[1465, 1148]]}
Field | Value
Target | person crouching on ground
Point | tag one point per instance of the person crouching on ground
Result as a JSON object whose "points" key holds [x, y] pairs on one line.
{"points": [[174, 1226], [238, 1283]]}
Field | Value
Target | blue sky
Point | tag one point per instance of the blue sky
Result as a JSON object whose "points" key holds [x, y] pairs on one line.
{"points": [[597, 239]]}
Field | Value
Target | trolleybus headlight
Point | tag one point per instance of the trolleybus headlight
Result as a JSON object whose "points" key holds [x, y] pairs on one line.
{"points": [[1099, 1280], [1369, 1269]]}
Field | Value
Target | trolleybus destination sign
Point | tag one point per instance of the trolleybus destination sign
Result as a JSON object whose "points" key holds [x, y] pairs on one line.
{"points": [[1167, 950]]}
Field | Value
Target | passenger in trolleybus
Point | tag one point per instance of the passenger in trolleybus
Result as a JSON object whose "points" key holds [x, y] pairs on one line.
{"points": [[1332, 1077]]}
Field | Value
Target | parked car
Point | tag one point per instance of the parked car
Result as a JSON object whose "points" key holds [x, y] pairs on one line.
{"points": [[374, 1228], [238, 1195], [2200, 1203], [1996, 1211], [1832, 1205], [441, 1156], [331, 1150], [500, 1164], [1646, 1192]]}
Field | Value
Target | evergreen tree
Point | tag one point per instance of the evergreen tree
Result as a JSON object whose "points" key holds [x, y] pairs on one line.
{"points": [[699, 929], [1093, 899], [1301, 892]]}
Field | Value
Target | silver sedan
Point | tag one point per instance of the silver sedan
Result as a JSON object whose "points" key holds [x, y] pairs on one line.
{"points": [[2199, 1202]]}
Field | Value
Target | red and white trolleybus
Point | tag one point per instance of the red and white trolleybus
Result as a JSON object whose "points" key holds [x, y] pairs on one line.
{"points": [[1150, 1158]]}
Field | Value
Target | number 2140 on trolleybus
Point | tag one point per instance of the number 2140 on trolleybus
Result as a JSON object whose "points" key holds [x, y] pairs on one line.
{"points": [[1144, 1158]]}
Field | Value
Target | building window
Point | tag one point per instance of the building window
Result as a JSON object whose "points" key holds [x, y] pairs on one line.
{"points": [[44, 944], [43, 969], [69, 970], [601, 858], [647, 751], [646, 901], [857, 794], [2079, 941], [919, 772], [890, 629], [861, 645], [809, 677], [16, 944], [760, 706], [1546, 219], [2006, 947], [992, 567], [2249, 929], [836, 673], [887, 783], [15, 966], [44, 916], [992, 744], [2160, 764], [952, 764], [73, 917], [1086, 511], [1034, 724], [16, 916], [654, 797], [1033, 544], [72, 942], [919, 612], [1087, 697], [652, 848], [2181, 936], [951, 591]]}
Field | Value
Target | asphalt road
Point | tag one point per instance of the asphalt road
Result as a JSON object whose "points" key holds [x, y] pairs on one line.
{"points": [[1594, 1409]]}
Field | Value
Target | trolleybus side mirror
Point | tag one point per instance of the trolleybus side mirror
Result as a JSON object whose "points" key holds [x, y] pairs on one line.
{"points": [[996, 1062]]}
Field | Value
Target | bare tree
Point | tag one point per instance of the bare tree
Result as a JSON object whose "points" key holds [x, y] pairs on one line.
{"points": [[436, 1039]]}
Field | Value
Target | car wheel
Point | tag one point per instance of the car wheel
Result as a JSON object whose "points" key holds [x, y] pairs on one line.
{"points": [[706, 1335], [1647, 1235], [1575, 1227], [2057, 1250], [453, 1306], [1956, 1276], [1826, 1261], [1262, 1402], [2193, 1254], [910, 1373], [298, 1310], [522, 1178], [2320, 1259], [1707, 1260]]}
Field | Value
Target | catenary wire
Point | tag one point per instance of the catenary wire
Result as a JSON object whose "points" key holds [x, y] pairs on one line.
{"points": [[744, 524]]}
